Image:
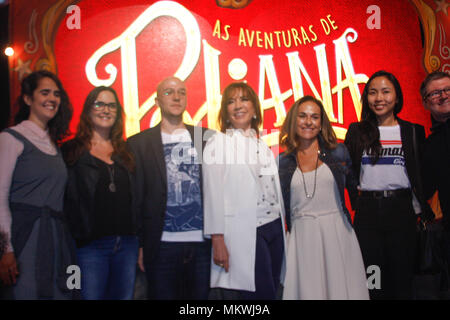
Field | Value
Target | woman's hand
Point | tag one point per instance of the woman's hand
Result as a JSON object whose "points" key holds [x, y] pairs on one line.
{"points": [[8, 269], [141, 260], [220, 251]]}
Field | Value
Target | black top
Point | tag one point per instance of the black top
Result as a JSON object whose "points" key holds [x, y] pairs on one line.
{"points": [[80, 197], [437, 167], [112, 209]]}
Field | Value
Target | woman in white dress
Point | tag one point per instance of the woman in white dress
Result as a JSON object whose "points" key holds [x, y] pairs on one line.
{"points": [[323, 256], [243, 206]]}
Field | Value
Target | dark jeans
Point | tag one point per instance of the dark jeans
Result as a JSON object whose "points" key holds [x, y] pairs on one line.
{"points": [[269, 258], [108, 268], [386, 231], [180, 271]]}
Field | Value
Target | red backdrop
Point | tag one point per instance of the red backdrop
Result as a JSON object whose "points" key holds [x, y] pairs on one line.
{"points": [[283, 49]]}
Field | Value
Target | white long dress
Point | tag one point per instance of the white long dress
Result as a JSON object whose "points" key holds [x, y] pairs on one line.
{"points": [[323, 256]]}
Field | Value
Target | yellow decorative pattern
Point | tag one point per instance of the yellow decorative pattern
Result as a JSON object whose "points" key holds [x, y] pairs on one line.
{"points": [[49, 27], [428, 19]]}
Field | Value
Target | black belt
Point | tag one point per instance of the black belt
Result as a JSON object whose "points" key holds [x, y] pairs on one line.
{"points": [[398, 193]]}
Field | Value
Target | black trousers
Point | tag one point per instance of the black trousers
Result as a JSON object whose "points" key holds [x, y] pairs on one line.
{"points": [[268, 263], [386, 230]]}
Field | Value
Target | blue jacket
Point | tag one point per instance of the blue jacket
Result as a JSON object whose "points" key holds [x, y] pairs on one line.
{"points": [[340, 164]]}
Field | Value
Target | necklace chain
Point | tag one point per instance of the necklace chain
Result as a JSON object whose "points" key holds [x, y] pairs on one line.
{"points": [[309, 196], [112, 185]]}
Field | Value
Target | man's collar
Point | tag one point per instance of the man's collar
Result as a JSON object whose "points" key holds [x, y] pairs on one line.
{"points": [[437, 125]]}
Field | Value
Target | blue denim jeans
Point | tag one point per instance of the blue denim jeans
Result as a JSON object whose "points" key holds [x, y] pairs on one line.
{"points": [[108, 268], [180, 271]]}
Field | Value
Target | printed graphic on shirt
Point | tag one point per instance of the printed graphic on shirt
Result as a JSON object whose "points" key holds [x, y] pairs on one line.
{"points": [[389, 173], [184, 209], [391, 154]]}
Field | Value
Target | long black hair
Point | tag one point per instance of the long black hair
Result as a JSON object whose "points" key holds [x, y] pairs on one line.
{"points": [[370, 134], [58, 126]]}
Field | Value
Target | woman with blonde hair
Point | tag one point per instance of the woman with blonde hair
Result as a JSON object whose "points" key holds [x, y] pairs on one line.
{"points": [[323, 256]]}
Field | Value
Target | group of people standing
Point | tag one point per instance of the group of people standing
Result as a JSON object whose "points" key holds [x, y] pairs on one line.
{"points": [[213, 215]]}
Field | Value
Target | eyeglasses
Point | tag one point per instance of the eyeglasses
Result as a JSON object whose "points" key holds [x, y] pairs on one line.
{"points": [[100, 106], [436, 94]]}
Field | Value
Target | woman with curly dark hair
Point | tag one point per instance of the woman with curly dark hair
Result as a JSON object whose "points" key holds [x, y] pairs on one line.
{"points": [[98, 199], [39, 247], [390, 195]]}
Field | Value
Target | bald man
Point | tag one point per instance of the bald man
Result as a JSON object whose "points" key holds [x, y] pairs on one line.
{"points": [[168, 186]]}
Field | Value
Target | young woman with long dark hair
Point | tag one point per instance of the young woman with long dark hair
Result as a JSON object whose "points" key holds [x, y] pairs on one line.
{"points": [[39, 247], [98, 200], [384, 157]]}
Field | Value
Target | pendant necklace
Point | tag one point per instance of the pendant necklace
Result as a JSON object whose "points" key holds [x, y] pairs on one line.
{"points": [[112, 185], [309, 196]]}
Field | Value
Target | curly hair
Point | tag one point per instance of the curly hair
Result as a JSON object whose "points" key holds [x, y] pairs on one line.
{"points": [[58, 126], [288, 136], [83, 136]]}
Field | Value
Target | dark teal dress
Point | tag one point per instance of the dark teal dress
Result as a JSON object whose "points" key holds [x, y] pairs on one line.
{"points": [[42, 244]]}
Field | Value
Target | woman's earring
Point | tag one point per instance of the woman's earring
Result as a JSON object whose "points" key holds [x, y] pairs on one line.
{"points": [[254, 116]]}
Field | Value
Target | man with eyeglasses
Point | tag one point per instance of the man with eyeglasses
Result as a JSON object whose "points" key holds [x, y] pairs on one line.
{"points": [[435, 92], [168, 185]]}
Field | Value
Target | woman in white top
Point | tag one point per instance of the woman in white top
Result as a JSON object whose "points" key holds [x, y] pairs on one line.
{"points": [[243, 206], [323, 256], [387, 166]]}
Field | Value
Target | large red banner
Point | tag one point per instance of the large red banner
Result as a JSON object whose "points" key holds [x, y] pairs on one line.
{"points": [[284, 49]]}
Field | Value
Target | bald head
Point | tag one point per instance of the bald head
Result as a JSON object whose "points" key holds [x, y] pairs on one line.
{"points": [[168, 82], [171, 97]]}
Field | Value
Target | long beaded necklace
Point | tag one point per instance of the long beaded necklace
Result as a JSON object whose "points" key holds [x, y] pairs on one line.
{"points": [[309, 196]]}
